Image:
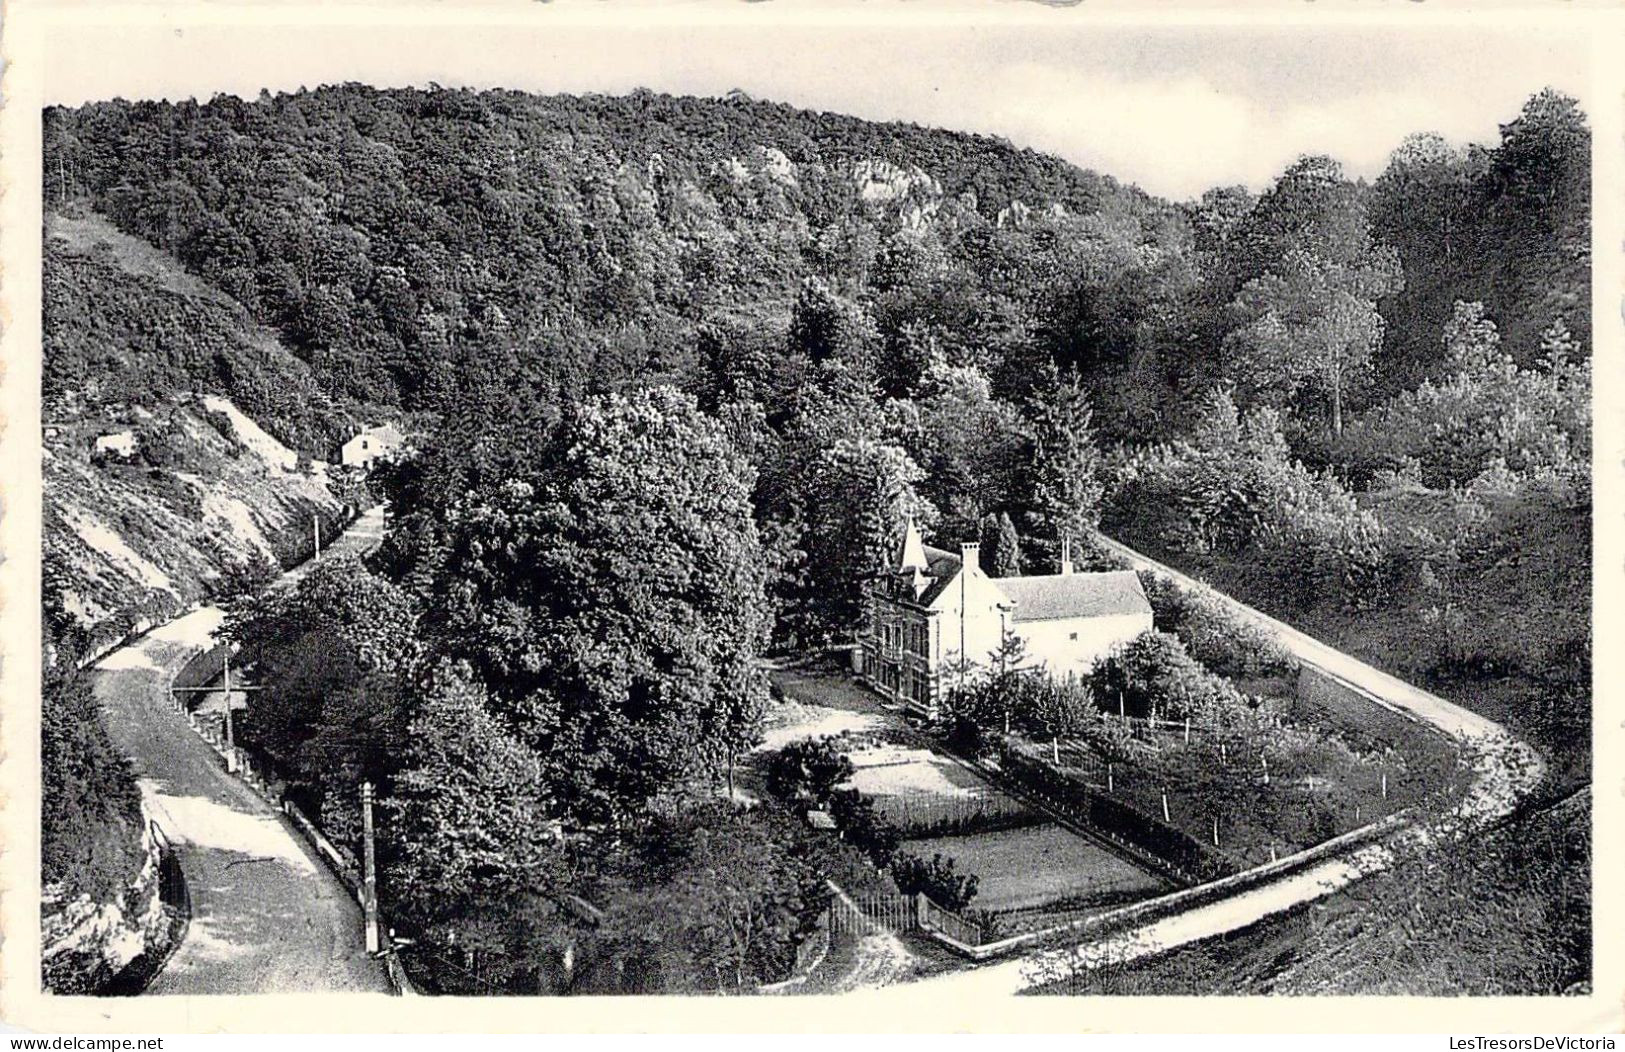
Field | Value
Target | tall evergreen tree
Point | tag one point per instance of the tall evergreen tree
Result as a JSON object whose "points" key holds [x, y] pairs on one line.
{"points": [[1001, 547], [1065, 485]]}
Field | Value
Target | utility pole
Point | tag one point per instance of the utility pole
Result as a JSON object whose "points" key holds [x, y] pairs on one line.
{"points": [[316, 532], [369, 870], [231, 739]]}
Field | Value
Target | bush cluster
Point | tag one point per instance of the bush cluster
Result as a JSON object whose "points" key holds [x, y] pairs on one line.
{"points": [[1212, 632]]}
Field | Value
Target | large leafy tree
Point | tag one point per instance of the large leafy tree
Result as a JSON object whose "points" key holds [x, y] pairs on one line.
{"points": [[613, 601], [1313, 328], [469, 811]]}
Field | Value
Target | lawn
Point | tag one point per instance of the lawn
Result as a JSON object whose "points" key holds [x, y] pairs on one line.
{"points": [[1039, 865]]}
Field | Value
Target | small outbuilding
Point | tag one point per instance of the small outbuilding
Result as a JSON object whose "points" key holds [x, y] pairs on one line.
{"points": [[116, 444], [375, 443]]}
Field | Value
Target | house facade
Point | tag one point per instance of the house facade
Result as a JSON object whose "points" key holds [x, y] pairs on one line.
{"points": [[935, 617]]}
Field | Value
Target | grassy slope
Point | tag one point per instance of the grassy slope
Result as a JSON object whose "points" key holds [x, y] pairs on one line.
{"points": [[137, 343]]}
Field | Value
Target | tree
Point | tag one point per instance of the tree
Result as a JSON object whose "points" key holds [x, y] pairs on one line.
{"points": [[613, 600], [937, 879], [1313, 328], [1064, 482], [863, 827], [826, 326], [1154, 673], [862, 495], [809, 769], [469, 813], [1001, 548], [968, 442]]}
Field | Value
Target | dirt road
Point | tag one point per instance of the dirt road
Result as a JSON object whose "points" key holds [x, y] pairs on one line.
{"points": [[267, 916]]}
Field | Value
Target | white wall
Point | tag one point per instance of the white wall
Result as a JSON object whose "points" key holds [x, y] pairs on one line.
{"points": [[983, 634], [1051, 642]]}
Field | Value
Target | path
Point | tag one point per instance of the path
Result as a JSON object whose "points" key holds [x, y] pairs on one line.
{"points": [[268, 917], [1504, 770]]}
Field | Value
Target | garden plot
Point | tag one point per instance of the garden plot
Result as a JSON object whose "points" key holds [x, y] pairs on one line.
{"points": [[917, 788], [1039, 865]]}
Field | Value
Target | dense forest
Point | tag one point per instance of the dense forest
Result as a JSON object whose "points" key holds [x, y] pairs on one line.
{"points": [[684, 367]]}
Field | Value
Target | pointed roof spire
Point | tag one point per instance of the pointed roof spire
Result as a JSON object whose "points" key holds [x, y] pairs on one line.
{"points": [[912, 557]]}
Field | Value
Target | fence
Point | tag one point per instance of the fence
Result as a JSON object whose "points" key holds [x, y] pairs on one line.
{"points": [[959, 929], [1158, 844], [868, 914]]}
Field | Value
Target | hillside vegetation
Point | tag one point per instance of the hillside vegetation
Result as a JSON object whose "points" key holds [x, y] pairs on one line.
{"points": [[692, 363], [135, 343]]}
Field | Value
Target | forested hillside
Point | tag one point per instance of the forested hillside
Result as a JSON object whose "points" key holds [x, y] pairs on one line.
{"points": [[692, 362]]}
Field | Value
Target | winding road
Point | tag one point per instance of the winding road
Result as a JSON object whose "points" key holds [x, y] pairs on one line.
{"points": [[1504, 770], [267, 916]]}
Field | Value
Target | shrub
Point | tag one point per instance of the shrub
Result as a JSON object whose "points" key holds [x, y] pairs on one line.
{"points": [[175, 494], [863, 827], [1212, 631], [937, 880], [808, 770]]}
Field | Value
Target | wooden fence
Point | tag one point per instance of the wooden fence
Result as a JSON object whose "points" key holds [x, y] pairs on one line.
{"points": [[869, 914]]}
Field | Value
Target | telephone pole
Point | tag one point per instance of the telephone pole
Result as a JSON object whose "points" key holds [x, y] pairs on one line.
{"points": [[231, 738], [369, 870]]}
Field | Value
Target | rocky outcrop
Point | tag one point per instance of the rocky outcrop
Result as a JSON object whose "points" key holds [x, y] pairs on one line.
{"points": [[86, 945]]}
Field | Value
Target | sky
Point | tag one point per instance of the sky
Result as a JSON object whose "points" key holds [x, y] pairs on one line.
{"points": [[1176, 110]]}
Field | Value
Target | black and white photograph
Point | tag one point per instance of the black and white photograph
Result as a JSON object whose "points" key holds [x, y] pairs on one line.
{"points": [[786, 508]]}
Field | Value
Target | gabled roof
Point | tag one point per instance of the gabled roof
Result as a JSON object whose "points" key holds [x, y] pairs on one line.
{"points": [[1054, 596], [942, 567]]}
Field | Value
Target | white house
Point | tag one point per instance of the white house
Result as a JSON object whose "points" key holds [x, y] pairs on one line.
{"points": [[371, 444], [935, 612], [117, 443]]}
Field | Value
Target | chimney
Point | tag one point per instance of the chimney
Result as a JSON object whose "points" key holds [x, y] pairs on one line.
{"points": [[970, 557], [1066, 555]]}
